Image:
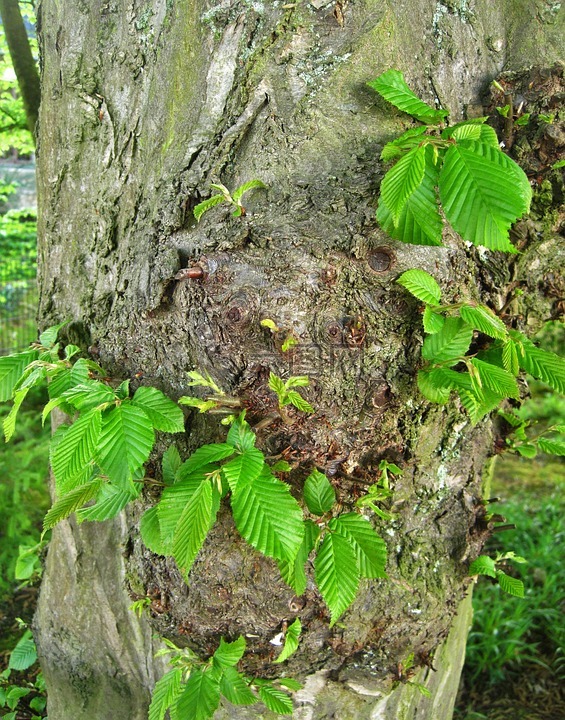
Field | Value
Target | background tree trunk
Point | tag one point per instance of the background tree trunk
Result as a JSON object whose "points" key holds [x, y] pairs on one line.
{"points": [[143, 106]]}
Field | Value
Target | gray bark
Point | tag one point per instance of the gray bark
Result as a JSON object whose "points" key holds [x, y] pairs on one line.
{"points": [[143, 107]]}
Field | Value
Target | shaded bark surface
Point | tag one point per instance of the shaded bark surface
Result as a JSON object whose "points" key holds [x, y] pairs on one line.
{"points": [[143, 108]]}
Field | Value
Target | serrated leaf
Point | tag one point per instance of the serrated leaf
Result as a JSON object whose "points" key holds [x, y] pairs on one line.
{"points": [[277, 385], [294, 398], [478, 405], [49, 336], [291, 639], [482, 194], [192, 528], [76, 450], [206, 205], [474, 129], [268, 517], [510, 358], [201, 405], [422, 285], [393, 88], [11, 369], [125, 442], [541, 364], [319, 494], [172, 503], [510, 585], [293, 572], [483, 565], [165, 694], [244, 468], [527, 450], [88, 395], [170, 464], [496, 379], [151, 532], [229, 654], [290, 683], [297, 381], [450, 343], [24, 655], [281, 466], [110, 501], [242, 189], [200, 697], [165, 415], [433, 322], [419, 222], [70, 502], [276, 700], [369, 547], [483, 319], [234, 688], [9, 424], [240, 435], [401, 181], [337, 574], [402, 144], [213, 452], [552, 447], [432, 385], [65, 379]]}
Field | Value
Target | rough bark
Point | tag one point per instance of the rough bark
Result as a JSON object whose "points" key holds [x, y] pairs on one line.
{"points": [[143, 107]]}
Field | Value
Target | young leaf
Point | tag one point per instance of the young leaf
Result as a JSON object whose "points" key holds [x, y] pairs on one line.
{"points": [[192, 528], [276, 700], [297, 381], [290, 641], [201, 405], [527, 450], [173, 501], [64, 378], [151, 532], [206, 205], [402, 144], [290, 683], [88, 395], [298, 401], [229, 654], [76, 450], [319, 494], [200, 697], [125, 442], [483, 319], [474, 129], [11, 369], [170, 463], [244, 468], [204, 456], [277, 385], [433, 386], [370, 549], [552, 447], [110, 501], [10, 419], [510, 357], [401, 181], [392, 86], [234, 688], [542, 364], [496, 379], [49, 336], [422, 285], [478, 405], [165, 694], [268, 517], [337, 574], [450, 343], [70, 502], [510, 585], [241, 435], [293, 572], [483, 565], [165, 415], [24, 655], [239, 192]]}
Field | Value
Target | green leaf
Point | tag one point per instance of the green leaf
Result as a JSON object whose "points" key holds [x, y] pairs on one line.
{"points": [[234, 688], [419, 222], [268, 517], [319, 494], [206, 205], [297, 381], [496, 379], [450, 343], [88, 395], [527, 450], [11, 369], [164, 414], [229, 654], [202, 405], [241, 435], [76, 450], [10, 420], [483, 319], [370, 549], [200, 697], [24, 655], [482, 194], [70, 502], [192, 528], [474, 129], [151, 531], [433, 386], [542, 364], [478, 405], [510, 585], [291, 639], [173, 501], [276, 700], [401, 181], [337, 574], [483, 565], [433, 322], [65, 378], [422, 285], [242, 189], [393, 88], [204, 456], [125, 442], [298, 401], [510, 357], [49, 336], [165, 694], [290, 683], [293, 572], [552, 447], [402, 144], [277, 385], [281, 466], [170, 463], [244, 468], [110, 501]]}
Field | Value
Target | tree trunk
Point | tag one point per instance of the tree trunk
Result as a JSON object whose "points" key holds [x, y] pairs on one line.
{"points": [[143, 106]]}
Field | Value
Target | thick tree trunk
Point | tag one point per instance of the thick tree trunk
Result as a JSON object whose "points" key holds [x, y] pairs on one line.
{"points": [[143, 107]]}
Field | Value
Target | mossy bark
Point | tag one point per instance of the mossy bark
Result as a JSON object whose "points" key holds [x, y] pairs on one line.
{"points": [[143, 108]]}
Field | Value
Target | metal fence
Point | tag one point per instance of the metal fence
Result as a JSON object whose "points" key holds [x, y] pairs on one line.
{"points": [[18, 306]]}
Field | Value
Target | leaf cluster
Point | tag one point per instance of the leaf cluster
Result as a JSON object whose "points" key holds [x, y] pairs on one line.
{"points": [[482, 191], [485, 565], [224, 196], [32, 694], [286, 393]]}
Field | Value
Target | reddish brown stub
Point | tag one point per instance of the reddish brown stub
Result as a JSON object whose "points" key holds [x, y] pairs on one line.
{"points": [[192, 273]]}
